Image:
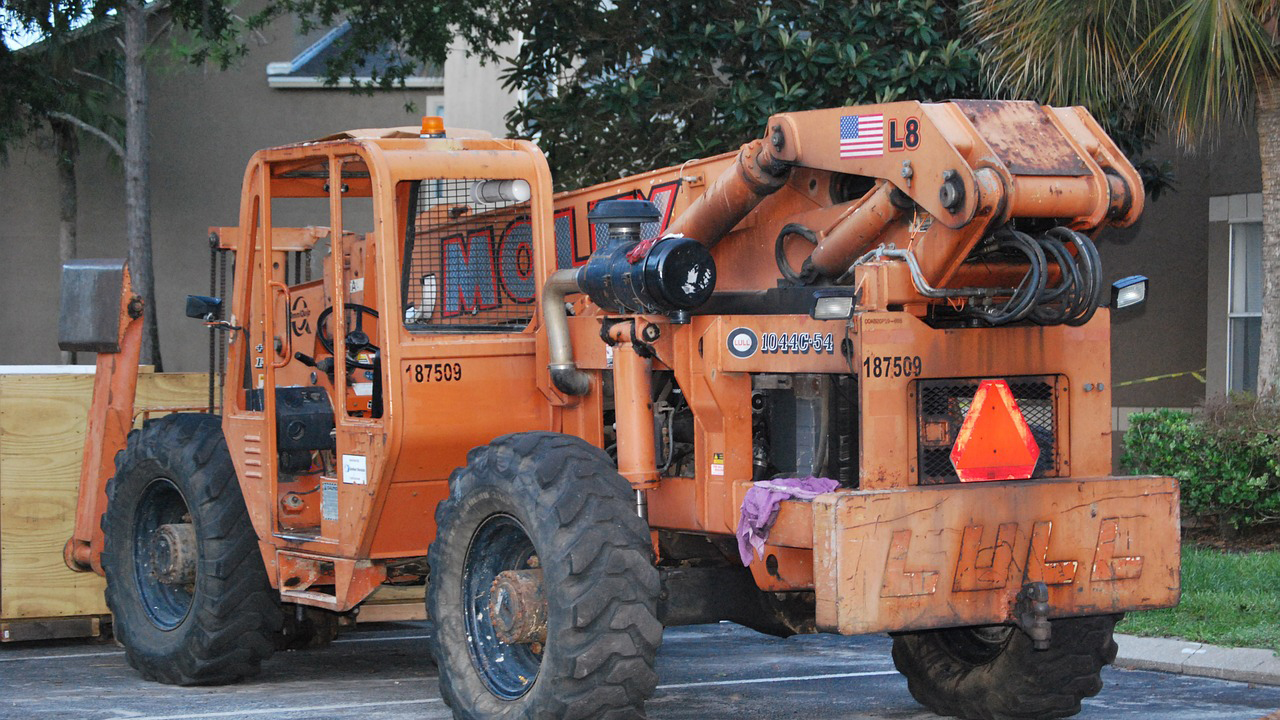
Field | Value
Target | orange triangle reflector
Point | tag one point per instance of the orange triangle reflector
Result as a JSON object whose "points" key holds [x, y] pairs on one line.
{"points": [[995, 442]]}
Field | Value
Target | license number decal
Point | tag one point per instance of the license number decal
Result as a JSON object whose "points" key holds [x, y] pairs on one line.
{"points": [[892, 366]]}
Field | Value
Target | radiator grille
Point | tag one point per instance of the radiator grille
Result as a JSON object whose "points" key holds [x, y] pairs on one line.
{"points": [[468, 263], [943, 404]]}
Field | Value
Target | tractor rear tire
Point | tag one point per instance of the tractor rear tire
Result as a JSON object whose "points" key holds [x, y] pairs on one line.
{"points": [[996, 674], [218, 627], [556, 503]]}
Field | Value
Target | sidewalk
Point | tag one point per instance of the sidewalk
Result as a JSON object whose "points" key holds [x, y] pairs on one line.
{"points": [[1248, 665]]}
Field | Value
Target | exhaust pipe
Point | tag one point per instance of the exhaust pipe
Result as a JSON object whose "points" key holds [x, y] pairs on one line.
{"points": [[565, 374], [668, 275]]}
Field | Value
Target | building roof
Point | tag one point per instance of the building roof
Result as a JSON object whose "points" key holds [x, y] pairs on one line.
{"points": [[308, 69]]}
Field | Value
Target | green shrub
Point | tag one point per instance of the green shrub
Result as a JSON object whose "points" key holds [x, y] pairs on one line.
{"points": [[1226, 457]]}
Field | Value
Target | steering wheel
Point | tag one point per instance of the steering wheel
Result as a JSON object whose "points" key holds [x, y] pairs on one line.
{"points": [[357, 339]]}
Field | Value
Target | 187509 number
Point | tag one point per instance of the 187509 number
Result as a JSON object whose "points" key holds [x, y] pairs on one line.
{"points": [[892, 366], [434, 372]]}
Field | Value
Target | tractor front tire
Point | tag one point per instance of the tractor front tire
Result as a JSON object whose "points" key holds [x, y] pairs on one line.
{"points": [[554, 503], [185, 579], [996, 674]]}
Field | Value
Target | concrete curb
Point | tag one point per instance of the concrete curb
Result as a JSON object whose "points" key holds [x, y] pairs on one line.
{"points": [[1248, 665]]}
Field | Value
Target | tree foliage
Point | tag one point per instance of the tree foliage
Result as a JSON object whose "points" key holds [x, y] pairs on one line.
{"points": [[614, 89], [1197, 59], [1143, 67], [62, 75]]}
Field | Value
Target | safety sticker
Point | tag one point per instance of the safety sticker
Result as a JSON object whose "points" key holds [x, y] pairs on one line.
{"points": [[717, 463], [353, 470], [329, 500]]}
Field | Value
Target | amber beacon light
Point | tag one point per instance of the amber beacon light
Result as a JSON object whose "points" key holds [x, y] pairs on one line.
{"points": [[432, 127]]}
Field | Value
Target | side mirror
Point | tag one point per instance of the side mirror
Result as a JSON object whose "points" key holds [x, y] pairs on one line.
{"points": [[1127, 292], [204, 308]]}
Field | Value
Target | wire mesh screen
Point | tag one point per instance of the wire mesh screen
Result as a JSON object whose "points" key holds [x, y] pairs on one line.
{"points": [[564, 240], [943, 404], [468, 258]]}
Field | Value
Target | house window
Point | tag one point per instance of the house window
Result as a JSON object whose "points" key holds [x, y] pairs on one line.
{"points": [[1244, 306]]}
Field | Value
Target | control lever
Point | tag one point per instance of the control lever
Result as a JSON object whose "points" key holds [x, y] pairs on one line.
{"points": [[324, 365]]}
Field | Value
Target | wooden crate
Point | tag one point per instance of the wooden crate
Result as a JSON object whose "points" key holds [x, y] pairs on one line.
{"points": [[394, 603], [42, 424]]}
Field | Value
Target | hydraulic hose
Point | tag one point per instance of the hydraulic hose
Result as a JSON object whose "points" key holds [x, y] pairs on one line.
{"points": [[1022, 301], [1090, 270]]}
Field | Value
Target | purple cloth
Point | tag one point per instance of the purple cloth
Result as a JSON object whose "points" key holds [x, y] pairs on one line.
{"points": [[760, 509]]}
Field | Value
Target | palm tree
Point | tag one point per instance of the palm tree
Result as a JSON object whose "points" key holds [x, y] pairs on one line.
{"points": [[1189, 65]]}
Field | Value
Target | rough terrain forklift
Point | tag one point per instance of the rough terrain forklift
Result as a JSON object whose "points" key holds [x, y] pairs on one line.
{"points": [[854, 378]]}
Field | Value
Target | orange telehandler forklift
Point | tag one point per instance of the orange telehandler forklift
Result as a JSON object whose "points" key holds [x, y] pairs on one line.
{"points": [[552, 411]]}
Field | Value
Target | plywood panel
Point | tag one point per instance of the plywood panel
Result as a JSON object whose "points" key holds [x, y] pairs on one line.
{"points": [[394, 603], [42, 425]]}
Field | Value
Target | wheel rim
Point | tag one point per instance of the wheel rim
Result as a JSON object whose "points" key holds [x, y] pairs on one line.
{"points": [[166, 605], [977, 645], [499, 544]]}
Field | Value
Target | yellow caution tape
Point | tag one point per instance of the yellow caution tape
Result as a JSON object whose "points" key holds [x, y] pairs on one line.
{"points": [[1197, 374]]}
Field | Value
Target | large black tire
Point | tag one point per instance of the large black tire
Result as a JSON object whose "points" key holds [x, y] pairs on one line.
{"points": [[561, 499], [218, 628], [991, 674]]}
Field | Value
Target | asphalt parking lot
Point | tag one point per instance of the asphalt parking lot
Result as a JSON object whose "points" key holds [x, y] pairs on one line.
{"points": [[708, 672]]}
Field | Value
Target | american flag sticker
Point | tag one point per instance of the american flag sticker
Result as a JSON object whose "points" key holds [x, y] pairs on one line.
{"points": [[861, 136]]}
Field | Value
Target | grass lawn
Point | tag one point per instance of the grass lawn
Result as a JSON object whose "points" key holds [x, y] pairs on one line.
{"points": [[1228, 598]]}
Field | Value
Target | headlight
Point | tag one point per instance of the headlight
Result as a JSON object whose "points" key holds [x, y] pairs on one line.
{"points": [[832, 304], [1129, 291]]}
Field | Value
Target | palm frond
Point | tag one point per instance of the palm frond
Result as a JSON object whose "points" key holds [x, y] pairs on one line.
{"points": [[1062, 51], [1205, 59]]}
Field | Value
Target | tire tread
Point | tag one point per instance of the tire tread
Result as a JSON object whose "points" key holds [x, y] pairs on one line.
{"points": [[603, 666], [1020, 683], [235, 613]]}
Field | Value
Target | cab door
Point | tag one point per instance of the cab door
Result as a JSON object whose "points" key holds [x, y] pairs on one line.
{"points": [[467, 368]]}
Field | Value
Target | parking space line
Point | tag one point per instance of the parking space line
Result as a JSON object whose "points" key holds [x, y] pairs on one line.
{"points": [[59, 657], [790, 678], [294, 709], [379, 639], [121, 652]]}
